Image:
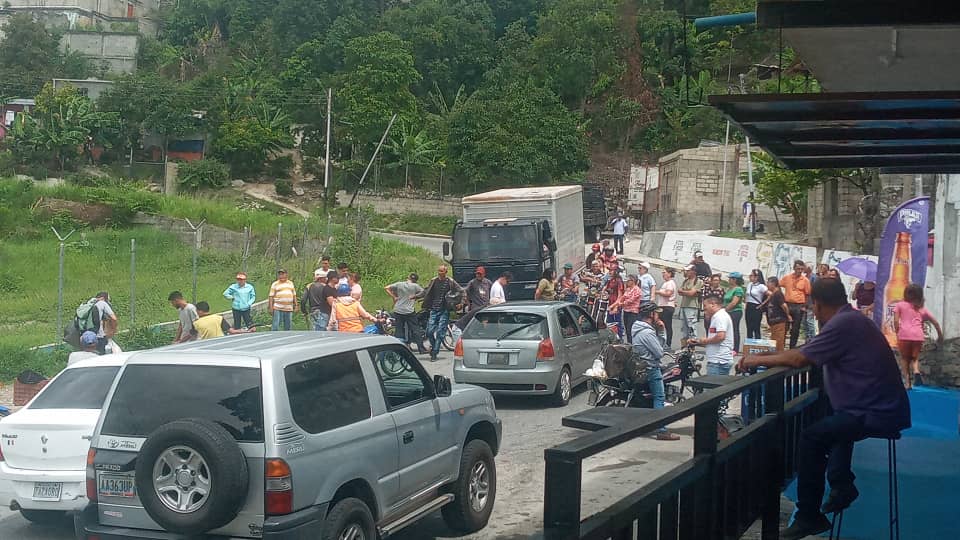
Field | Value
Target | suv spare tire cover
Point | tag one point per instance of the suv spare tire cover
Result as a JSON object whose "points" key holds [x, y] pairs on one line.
{"points": [[212, 483]]}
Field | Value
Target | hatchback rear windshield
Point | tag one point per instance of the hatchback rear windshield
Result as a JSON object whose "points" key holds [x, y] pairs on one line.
{"points": [[79, 388], [149, 396], [504, 325]]}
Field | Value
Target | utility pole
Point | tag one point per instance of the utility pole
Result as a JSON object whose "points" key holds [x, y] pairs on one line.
{"points": [[372, 158], [752, 216], [326, 159], [197, 235], [133, 281], [62, 239], [723, 175]]}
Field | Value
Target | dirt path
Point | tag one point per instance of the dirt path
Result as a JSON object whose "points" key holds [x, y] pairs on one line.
{"points": [[265, 192]]}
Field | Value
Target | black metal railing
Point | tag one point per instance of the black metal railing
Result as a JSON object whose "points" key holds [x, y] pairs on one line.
{"points": [[720, 492]]}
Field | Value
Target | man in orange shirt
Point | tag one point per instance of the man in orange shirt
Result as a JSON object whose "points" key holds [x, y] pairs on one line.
{"points": [[796, 290], [347, 314]]}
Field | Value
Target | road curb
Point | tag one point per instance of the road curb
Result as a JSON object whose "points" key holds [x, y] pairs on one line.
{"points": [[408, 233]]}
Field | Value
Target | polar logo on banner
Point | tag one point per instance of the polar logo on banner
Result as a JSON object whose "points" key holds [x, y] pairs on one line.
{"points": [[909, 217]]}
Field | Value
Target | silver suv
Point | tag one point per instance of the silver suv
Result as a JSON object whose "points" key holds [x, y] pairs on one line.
{"points": [[290, 435]]}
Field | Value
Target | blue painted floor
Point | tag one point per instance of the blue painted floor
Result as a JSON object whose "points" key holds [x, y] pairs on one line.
{"points": [[928, 461]]}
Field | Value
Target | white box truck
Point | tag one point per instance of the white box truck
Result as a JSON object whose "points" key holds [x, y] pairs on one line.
{"points": [[523, 231]]}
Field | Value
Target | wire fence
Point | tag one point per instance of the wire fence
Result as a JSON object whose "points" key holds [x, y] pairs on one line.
{"points": [[202, 262]]}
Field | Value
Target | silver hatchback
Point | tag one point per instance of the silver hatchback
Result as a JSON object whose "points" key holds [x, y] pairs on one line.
{"points": [[529, 348]]}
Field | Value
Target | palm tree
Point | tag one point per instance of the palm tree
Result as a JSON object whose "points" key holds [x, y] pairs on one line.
{"points": [[412, 148]]}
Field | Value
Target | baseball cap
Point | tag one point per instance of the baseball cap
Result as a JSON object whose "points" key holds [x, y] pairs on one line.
{"points": [[689, 267], [88, 338], [343, 290], [568, 266], [241, 275], [645, 265], [319, 272], [281, 271], [595, 247], [697, 254], [736, 275]]}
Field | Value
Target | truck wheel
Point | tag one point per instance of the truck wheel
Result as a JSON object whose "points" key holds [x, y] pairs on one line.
{"points": [[475, 490], [350, 519], [191, 476], [561, 395]]}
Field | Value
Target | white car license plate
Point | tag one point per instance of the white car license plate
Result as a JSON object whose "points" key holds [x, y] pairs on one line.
{"points": [[47, 491], [115, 486], [500, 359]]}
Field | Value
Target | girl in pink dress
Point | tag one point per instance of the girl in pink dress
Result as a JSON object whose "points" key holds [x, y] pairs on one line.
{"points": [[908, 318]]}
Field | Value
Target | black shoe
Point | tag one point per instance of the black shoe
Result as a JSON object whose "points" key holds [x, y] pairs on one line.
{"points": [[841, 497], [803, 528], [433, 357], [917, 379]]}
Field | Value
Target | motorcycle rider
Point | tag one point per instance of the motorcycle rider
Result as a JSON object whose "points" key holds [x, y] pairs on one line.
{"points": [[649, 337]]}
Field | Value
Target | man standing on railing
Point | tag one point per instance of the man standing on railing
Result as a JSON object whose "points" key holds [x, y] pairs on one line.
{"points": [[862, 380]]}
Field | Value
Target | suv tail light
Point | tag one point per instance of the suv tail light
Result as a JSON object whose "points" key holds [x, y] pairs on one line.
{"points": [[1, 452], [458, 349], [91, 477], [545, 350], [278, 488]]}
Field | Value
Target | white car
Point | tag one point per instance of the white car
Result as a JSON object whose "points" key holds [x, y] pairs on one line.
{"points": [[43, 447]]}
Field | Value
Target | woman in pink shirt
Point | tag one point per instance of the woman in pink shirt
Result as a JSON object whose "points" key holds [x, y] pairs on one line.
{"points": [[908, 318], [629, 300]]}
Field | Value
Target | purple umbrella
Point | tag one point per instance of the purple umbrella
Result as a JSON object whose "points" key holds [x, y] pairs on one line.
{"points": [[859, 267]]}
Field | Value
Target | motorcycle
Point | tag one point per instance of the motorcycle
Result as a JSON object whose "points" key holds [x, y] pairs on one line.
{"points": [[620, 377], [385, 324]]}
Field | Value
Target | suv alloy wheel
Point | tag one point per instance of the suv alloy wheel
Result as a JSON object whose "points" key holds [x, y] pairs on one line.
{"points": [[475, 490], [350, 519]]}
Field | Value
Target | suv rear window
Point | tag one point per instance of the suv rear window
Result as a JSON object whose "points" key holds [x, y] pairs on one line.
{"points": [[327, 393], [148, 396], [504, 325], [79, 388]]}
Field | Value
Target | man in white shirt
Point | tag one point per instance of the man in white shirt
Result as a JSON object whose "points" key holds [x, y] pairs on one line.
{"points": [[719, 340], [647, 284], [619, 224], [108, 321], [497, 293]]}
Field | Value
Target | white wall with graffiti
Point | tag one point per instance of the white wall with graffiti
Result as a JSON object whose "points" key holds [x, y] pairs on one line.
{"points": [[735, 255]]}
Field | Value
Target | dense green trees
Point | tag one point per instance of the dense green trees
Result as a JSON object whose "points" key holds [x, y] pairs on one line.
{"points": [[490, 92]]}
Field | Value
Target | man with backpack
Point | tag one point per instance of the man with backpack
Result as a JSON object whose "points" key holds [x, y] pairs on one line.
{"points": [[442, 295], [95, 315]]}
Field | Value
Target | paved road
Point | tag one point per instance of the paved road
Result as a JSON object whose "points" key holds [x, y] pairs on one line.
{"points": [[529, 426], [433, 245]]}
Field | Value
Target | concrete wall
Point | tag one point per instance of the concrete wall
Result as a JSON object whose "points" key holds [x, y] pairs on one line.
{"points": [[692, 189], [942, 293], [118, 51], [449, 206], [212, 237]]}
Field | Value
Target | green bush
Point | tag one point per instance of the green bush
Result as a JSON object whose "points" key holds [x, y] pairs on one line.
{"points": [[8, 163], [15, 359], [204, 173], [284, 187], [280, 167]]}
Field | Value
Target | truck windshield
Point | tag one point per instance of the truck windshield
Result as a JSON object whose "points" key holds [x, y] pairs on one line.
{"points": [[496, 243]]}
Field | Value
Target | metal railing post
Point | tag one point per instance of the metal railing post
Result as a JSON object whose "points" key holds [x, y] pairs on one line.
{"points": [[561, 498], [706, 502], [197, 232], [776, 474]]}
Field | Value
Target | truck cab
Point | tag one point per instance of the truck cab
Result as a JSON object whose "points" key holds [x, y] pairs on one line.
{"points": [[520, 246], [523, 230]]}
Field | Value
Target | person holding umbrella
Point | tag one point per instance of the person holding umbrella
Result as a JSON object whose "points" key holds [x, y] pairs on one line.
{"points": [[864, 293]]}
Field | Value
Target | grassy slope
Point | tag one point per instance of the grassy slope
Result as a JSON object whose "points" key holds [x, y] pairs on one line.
{"points": [[100, 260]]}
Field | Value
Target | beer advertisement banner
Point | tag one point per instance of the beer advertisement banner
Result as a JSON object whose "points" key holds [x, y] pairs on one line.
{"points": [[903, 259]]}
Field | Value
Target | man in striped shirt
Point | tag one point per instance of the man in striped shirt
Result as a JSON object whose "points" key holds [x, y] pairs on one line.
{"points": [[282, 301]]}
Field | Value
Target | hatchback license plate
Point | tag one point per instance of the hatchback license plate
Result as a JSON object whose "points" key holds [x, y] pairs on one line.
{"points": [[47, 491], [115, 486], [501, 359]]}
